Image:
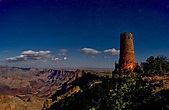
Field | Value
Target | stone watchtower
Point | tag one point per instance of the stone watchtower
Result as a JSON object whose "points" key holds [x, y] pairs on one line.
{"points": [[127, 57]]}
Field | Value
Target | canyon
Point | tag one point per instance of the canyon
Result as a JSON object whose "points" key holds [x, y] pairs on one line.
{"points": [[22, 88]]}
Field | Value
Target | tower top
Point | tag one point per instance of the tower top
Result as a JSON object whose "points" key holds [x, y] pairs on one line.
{"points": [[126, 35]]}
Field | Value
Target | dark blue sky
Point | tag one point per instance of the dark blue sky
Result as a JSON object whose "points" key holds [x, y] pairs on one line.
{"points": [[80, 26]]}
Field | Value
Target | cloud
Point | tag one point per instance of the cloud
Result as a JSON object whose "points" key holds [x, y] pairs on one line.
{"points": [[56, 59], [30, 55], [89, 51], [112, 51], [64, 58], [15, 59], [63, 52], [60, 59], [106, 57]]}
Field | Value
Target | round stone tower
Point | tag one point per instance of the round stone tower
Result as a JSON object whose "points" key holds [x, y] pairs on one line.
{"points": [[127, 58]]}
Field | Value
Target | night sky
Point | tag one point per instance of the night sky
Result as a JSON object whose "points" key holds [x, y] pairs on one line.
{"points": [[80, 33]]}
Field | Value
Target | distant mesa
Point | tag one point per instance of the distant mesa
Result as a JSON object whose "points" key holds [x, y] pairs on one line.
{"points": [[127, 57]]}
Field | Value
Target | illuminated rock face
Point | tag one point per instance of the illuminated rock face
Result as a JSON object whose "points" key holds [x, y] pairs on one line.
{"points": [[127, 58]]}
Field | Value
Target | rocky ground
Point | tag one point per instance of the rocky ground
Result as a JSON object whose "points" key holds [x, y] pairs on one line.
{"points": [[8, 102]]}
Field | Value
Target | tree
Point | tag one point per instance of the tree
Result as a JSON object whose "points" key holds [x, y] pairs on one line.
{"points": [[159, 64]]}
